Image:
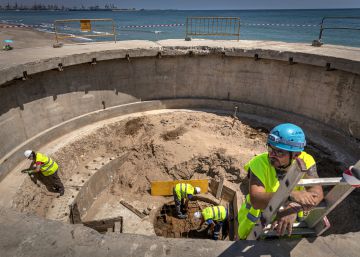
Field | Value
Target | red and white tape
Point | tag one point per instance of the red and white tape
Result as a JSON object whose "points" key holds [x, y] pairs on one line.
{"points": [[178, 25], [19, 26], [153, 26], [279, 25]]}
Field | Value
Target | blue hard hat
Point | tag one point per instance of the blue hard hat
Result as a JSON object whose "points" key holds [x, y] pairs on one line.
{"points": [[288, 137]]}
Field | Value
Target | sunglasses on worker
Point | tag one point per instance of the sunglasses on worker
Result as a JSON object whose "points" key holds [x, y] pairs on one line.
{"points": [[277, 152]]}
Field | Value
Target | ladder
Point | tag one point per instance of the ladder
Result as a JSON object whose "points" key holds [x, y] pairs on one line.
{"points": [[316, 222]]}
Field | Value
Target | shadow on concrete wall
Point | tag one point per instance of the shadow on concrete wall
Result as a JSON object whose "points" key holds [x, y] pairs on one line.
{"points": [[81, 78], [269, 248]]}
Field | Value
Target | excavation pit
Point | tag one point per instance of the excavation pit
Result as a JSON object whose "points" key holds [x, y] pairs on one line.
{"points": [[166, 223], [116, 162]]}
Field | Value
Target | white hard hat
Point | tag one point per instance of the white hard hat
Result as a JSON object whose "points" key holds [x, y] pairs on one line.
{"points": [[197, 190], [197, 215], [28, 153]]}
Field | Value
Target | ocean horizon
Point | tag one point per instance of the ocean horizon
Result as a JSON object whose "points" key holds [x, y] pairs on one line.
{"points": [[286, 25]]}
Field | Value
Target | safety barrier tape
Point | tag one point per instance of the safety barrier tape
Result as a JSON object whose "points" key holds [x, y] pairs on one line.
{"points": [[20, 26], [243, 24], [178, 25], [280, 24], [153, 26]]}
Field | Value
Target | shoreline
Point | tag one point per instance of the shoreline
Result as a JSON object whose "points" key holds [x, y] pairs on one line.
{"points": [[27, 36]]}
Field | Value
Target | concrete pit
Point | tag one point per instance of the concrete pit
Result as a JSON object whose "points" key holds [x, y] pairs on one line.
{"points": [[183, 116], [168, 225], [105, 164]]}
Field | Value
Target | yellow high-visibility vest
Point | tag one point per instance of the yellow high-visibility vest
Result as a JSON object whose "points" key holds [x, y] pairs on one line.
{"points": [[184, 189], [216, 213], [48, 167], [266, 173]]}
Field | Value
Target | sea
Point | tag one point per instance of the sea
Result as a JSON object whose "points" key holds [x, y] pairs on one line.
{"points": [[342, 26]]}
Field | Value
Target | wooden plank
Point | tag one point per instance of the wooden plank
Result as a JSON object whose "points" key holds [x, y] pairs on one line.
{"points": [[133, 209], [166, 187], [231, 227], [237, 202], [103, 226], [227, 193], [220, 187], [207, 198]]}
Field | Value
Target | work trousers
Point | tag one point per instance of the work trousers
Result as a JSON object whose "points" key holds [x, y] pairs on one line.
{"points": [[220, 226], [52, 182], [179, 204]]}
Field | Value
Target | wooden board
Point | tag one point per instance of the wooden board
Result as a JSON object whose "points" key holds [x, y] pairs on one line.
{"points": [[237, 202], [166, 187], [220, 187], [133, 209], [227, 193], [103, 226]]}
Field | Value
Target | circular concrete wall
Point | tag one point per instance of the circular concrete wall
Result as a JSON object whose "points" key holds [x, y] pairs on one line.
{"points": [[52, 102], [269, 82]]}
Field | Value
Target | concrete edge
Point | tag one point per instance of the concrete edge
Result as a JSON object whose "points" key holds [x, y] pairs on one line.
{"points": [[22, 69], [29, 235]]}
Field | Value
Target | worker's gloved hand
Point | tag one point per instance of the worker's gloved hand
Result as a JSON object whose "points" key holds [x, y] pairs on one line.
{"points": [[305, 198], [28, 171], [182, 216]]}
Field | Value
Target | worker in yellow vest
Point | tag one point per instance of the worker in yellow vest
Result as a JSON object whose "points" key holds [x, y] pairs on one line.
{"points": [[182, 193], [216, 218], [46, 170], [285, 143]]}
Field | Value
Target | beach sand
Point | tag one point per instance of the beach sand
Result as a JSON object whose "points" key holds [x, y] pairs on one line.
{"points": [[26, 37]]}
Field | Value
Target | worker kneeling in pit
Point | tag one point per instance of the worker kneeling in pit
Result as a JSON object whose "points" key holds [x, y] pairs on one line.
{"points": [[216, 218], [45, 169], [182, 193], [285, 143]]}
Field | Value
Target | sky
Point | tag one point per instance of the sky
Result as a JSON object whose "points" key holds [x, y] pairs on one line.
{"points": [[201, 4]]}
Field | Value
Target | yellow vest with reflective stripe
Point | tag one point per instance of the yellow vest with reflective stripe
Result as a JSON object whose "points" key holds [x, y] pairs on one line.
{"points": [[266, 173], [247, 218], [183, 189], [48, 167], [216, 213]]}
